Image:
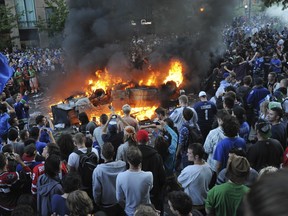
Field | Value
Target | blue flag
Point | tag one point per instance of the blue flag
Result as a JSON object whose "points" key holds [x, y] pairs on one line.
{"points": [[6, 71]]}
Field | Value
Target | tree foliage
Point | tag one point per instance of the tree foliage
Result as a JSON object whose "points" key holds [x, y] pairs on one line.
{"points": [[269, 3], [55, 23], [7, 22]]}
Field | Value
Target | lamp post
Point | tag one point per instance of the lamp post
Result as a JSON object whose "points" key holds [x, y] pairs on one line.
{"points": [[246, 11]]}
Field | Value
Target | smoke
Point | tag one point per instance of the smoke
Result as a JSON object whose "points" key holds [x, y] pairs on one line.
{"points": [[98, 34], [276, 11]]}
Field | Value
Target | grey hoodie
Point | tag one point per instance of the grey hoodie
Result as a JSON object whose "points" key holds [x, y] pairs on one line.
{"points": [[104, 182], [46, 188]]}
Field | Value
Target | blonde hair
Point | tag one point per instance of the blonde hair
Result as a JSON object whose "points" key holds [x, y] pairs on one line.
{"points": [[79, 203]]}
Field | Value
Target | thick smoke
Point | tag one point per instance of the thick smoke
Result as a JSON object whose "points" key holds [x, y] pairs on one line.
{"points": [[98, 34]]}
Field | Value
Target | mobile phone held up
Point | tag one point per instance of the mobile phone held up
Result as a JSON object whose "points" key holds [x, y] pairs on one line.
{"points": [[114, 116]]}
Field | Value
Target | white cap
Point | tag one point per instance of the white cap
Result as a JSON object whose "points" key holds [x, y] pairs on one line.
{"points": [[202, 94]]}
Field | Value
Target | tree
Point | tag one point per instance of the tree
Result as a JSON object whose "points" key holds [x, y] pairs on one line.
{"points": [[269, 3], [55, 20], [7, 22]]}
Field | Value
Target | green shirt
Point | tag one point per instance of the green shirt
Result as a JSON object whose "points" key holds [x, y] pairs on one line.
{"points": [[225, 199], [31, 73]]}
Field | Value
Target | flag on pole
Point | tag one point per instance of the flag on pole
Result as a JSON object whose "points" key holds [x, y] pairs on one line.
{"points": [[6, 71]]}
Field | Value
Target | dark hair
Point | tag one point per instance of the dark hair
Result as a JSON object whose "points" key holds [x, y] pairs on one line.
{"points": [[108, 151], [39, 119], [161, 145], [221, 114], [238, 152], [278, 111], [197, 149], [11, 120], [3, 108], [52, 165], [240, 114], [23, 210], [180, 202], [258, 81], [269, 195], [7, 148], [229, 102], [134, 155], [12, 134], [231, 126], [23, 134], [29, 141], [2, 161], [27, 199], [83, 118], [230, 88], [71, 182], [30, 150], [160, 111], [34, 132], [66, 145], [247, 80], [187, 114], [145, 210], [53, 149], [88, 142], [103, 119]]}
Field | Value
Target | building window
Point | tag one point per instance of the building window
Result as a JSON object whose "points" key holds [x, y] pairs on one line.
{"points": [[26, 11]]}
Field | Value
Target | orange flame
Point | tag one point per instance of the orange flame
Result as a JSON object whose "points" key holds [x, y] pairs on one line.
{"points": [[175, 73]]}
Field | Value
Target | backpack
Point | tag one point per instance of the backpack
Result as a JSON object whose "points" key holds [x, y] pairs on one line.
{"points": [[194, 136], [87, 163]]}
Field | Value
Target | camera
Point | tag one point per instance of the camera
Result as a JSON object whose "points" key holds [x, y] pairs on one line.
{"points": [[45, 129], [114, 116]]}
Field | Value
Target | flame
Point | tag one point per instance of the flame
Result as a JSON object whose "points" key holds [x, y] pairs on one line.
{"points": [[142, 113], [175, 73]]}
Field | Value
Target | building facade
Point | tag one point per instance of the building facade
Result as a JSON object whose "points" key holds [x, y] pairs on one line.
{"points": [[26, 33]]}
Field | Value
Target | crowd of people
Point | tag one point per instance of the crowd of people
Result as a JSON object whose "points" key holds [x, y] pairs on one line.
{"points": [[226, 154]]}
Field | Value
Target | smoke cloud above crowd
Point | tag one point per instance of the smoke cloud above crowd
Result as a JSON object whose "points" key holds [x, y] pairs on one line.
{"points": [[98, 34]]}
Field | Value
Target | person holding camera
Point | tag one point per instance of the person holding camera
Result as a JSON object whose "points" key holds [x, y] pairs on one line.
{"points": [[10, 183]]}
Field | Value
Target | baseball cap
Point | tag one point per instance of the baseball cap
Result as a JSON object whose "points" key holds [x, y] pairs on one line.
{"points": [[202, 94], [264, 127]]}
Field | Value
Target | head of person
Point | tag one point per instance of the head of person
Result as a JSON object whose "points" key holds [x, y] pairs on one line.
{"points": [[66, 145], [240, 114], [266, 171], [187, 114], [258, 81], [195, 152], [17, 97], [23, 210], [275, 56], [238, 169], [79, 203], [284, 83], [24, 135], [52, 165], [103, 119], [41, 120], [142, 137], [183, 100], [3, 108], [202, 95], [71, 182], [83, 118], [146, 210], [126, 109], [268, 196], [79, 139], [34, 133], [263, 128], [12, 134], [272, 77], [130, 135], [247, 80], [29, 141], [51, 149], [161, 145], [275, 114], [108, 151], [134, 156], [13, 121], [30, 152], [228, 102], [231, 126], [180, 203], [221, 115], [161, 113], [112, 127]]}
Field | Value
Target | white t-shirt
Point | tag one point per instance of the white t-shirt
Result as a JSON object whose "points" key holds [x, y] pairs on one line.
{"points": [[73, 160]]}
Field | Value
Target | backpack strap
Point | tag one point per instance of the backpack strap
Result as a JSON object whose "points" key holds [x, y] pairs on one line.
{"points": [[78, 152]]}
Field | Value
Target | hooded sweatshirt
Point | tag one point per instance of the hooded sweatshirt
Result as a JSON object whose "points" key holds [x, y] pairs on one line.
{"points": [[104, 182], [46, 188]]}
